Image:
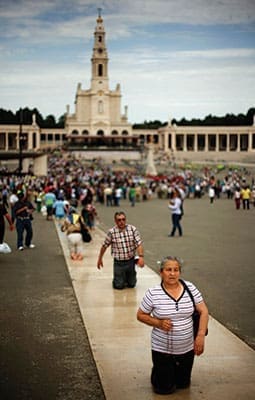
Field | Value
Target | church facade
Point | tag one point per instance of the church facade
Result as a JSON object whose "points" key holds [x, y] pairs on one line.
{"points": [[97, 126]]}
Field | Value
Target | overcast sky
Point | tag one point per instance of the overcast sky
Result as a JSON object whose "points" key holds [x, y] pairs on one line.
{"points": [[172, 58]]}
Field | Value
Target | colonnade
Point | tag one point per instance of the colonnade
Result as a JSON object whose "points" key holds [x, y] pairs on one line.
{"points": [[178, 139], [211, 141], [12, 138]]}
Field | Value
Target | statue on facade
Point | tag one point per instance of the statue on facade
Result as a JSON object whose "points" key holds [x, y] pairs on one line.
{"points": [[150, 168], [33, 119]]}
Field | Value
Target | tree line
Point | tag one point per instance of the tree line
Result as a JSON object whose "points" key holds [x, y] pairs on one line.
{"points": [[24, 116], [209, 120]]}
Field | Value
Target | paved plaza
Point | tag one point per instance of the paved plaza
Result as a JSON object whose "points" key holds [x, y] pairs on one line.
{"points": [[46, 300], [217, 248]]}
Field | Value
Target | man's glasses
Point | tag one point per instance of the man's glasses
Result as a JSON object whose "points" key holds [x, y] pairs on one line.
{"points": [[120, 219]]}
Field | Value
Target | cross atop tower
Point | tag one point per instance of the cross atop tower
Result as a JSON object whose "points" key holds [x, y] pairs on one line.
{"points": [[99, 12]]}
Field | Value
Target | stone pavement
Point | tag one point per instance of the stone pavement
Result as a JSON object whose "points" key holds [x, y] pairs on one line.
{"points": [[49, 312]]}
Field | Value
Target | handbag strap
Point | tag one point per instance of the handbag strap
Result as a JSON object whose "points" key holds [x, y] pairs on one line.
{"points": [[189, 292]]}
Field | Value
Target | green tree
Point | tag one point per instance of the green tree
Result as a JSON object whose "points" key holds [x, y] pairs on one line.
{"points": [[49, 122], [61, 121]]}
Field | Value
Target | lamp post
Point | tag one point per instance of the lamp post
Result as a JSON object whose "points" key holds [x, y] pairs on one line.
{"points": [[20, 140]]}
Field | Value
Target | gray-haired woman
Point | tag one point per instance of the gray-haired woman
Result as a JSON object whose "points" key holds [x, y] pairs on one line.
{"points": [[168, 308]]}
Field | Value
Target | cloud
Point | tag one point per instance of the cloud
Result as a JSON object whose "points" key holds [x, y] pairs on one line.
{"points": [[170, 57], [183, 11], [14, 10], [220, 53], [123, 15]]}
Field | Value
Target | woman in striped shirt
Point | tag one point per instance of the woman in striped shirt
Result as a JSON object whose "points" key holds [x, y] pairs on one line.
{"points": [[168, 308]]}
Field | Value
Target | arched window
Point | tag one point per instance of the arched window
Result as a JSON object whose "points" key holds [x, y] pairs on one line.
{"points": [[100, 133], [100, 70], [85, 132], [75, 132], [115, 132], [124, 133]]}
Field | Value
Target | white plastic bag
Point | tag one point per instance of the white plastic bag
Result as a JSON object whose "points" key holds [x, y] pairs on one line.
{"points": [[5, 248], [44, 211]]}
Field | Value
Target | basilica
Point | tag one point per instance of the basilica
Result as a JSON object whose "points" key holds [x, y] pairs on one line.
{"points": [[99, 127]]}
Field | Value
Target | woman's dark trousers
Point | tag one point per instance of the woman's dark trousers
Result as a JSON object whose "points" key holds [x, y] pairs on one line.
{"points": [[176, 224], [171, 372]]}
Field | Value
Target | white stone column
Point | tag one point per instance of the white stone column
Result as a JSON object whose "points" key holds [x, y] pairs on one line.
{"points": [[206, 142], [250, 141], [165, 144], [195, 142], [217, 141], [238, 142], [184, 142], [7, 141], [173, 141], [38, 139], [161, 142], [227, 142]]}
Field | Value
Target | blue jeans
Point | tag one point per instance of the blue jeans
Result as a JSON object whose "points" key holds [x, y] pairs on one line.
{"points": [[246, 204], [132, 200], [108, 200], [176, 224], [21, 226]]}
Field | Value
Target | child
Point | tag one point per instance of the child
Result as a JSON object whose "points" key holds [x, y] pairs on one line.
{"points": [[72, 227]]}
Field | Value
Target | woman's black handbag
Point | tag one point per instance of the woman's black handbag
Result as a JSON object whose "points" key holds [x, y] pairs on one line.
{"points": [[196, 318], [195, 315], [86, 236]]}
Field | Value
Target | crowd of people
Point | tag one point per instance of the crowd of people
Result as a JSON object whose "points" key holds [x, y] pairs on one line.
{"points": [[108, 184], [73, 183]]}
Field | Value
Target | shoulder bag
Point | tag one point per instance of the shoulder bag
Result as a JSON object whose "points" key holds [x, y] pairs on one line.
{"points": [[86, 236], [195, 315]]}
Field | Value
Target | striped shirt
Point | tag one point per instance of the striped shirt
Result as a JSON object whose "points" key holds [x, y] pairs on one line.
{"points": [[123, 242], [160, 304]]}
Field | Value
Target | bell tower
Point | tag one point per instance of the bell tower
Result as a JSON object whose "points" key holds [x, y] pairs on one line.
{"points": [[99, 60], [98, 109]]}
